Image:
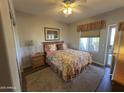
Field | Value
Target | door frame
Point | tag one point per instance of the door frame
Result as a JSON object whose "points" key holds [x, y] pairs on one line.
{"points": [[107, 42]]}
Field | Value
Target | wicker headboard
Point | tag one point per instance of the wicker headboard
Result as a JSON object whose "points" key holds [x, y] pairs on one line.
{"points": [[47, 43]]}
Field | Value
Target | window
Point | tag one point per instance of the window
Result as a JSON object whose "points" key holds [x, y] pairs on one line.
{"points": [[112, 38], [90, 44], [89, 41]]}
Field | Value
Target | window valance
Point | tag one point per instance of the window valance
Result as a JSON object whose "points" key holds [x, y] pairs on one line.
{"points": [[92, 26], [121, 26]]}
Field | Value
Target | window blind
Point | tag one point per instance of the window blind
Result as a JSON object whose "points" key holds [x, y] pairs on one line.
{"points": [[90, 33]]}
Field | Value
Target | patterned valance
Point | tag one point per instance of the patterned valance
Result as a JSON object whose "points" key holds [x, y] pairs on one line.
{"points": [[92, 26], [121, 26]]}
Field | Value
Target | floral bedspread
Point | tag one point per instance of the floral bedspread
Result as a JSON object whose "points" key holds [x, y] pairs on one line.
{"points": [[69, 61]]}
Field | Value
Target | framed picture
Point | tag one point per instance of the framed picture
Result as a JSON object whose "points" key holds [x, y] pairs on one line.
{"points": [[51, 34]]}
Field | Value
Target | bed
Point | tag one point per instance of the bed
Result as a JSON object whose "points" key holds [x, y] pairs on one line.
{"points": [[68, 63]]}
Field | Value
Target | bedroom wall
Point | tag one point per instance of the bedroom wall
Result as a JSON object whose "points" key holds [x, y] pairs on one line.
{"points": [[112, 17], [31, 27]]}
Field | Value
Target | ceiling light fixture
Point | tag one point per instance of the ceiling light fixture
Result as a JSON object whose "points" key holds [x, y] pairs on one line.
{"points": [[67, 7], [67, 11]]}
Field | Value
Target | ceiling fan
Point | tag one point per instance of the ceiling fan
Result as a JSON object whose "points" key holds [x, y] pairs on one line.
{"points": [[67, 7], [70, 5]]}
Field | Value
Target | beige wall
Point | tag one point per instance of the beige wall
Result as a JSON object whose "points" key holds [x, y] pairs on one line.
{"points": [[31, 27], [113, 17]]}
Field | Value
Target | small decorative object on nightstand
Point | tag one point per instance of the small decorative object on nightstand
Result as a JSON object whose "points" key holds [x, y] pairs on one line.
{"points": [[38, 59]]}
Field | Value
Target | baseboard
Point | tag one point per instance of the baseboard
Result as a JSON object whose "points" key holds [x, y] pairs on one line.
{"points": [[30, 70], [99, 64]]}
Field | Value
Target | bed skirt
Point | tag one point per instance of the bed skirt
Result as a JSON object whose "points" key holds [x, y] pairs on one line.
{"points": [[67, 77]]}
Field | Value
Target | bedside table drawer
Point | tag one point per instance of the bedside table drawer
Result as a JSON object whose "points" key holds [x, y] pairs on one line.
{"points": [[37, 60], [37, 63]]}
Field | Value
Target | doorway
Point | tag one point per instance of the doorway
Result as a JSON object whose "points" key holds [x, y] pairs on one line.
{"points": [[110, 45]]}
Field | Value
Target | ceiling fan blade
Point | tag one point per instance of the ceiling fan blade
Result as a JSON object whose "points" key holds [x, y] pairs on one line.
{"points": [[78, 3], [55, 1], [63, 4], [76, 10]]}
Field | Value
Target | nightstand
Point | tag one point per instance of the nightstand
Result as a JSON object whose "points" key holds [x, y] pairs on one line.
{"points": [[38, 59]]}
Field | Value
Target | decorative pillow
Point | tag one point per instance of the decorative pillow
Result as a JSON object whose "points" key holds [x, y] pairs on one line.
{"points": [[49, 50], [59, 46], [65, 46], [52, 47], [46, 49]]}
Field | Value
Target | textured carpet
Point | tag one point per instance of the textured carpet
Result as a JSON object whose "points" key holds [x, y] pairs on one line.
{"points": [[48, 80]]}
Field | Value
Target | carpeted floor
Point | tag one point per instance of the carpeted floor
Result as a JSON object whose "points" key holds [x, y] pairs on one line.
{"points": [[48, 80]]}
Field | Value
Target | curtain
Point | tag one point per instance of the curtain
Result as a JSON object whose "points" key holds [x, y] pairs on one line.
{"points": [[121, 26], [92, 26]]}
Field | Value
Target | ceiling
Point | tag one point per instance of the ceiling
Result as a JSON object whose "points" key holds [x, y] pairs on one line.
{"points": [[52, 8]]}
